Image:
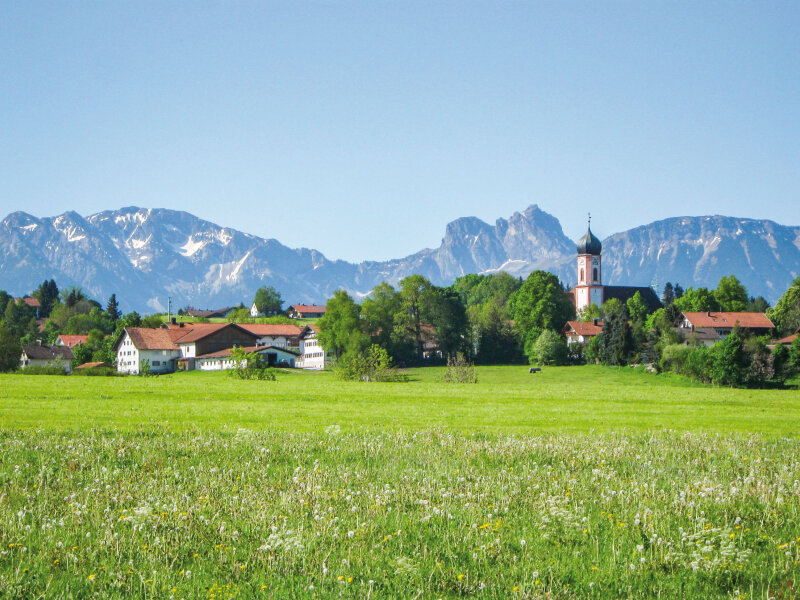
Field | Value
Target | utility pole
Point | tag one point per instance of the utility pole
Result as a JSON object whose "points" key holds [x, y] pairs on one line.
{"points": [[169, 309]]}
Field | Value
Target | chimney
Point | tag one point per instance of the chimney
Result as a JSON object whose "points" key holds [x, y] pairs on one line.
{"points": [[595, 322], [174, 320], [708, 313], [181, 324]]}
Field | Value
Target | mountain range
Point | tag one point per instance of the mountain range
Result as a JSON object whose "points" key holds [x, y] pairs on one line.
{"points": [[145, 255]]}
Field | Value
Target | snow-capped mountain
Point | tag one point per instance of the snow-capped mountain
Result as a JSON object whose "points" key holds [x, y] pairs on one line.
{"points": [[146, 255]]}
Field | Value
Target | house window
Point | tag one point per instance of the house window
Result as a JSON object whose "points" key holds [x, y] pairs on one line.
{"points": [[156, 363]]}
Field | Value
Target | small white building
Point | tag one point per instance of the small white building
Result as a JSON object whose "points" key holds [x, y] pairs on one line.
{"points": [[312, 354], [139, 344], [223, 360], [254, 312], [37, 355]]}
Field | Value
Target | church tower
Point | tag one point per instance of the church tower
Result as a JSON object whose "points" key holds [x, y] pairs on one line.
{"points": [[590, 282]]}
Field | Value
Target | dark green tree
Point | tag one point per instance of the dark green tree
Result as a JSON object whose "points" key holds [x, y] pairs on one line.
{"points": [[112, 310], [616, 345], [72, 295], [730, 362], [668, 297], [47, 295], [10, 349]]}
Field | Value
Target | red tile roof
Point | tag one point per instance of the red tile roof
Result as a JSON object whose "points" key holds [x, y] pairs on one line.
{"points": [[787, 341], [748, 320], [72, 340], [308, 308], [273, 329], [193, 334], [91, 365], [584, 328], [144, 338], [32, 302]]}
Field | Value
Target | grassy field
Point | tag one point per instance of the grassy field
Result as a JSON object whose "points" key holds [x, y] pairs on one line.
{"points": [[572, 483], [506, 399]]}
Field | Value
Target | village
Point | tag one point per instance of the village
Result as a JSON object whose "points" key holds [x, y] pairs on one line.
{"points": [[191, 341]]}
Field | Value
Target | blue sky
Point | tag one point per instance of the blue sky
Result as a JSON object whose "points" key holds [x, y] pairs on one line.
{"points": [[361, 129]]}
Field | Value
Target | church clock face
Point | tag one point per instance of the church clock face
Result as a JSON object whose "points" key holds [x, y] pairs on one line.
{"points": [[595, 261]]}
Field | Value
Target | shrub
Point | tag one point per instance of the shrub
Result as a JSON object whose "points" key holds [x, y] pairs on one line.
{"points": [[373, 365], [460, 370], [42, 370], [250, 365], [98, 372], [549, 349]]}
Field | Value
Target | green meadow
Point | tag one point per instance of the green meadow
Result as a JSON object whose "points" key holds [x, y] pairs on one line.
{"points": [[505, 400], [583, 482]]}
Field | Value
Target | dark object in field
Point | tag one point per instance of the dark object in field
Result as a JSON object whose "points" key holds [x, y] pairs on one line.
{"points": [[534, 369]]}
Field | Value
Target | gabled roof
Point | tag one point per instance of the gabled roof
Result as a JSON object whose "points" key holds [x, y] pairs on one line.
{"points": [[144, 338], [194, 334], [585, 328], [787, 341], [725, 320], [308, 308], [248, 349], [72, 340], [39, 352], [91, 365], [273, 329]]}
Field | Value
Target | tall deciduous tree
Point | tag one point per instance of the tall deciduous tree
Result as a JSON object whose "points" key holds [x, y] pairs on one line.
{"points": [[786, 314], [341, 329], [730, 294], [637, 308], [541, 303], [268, 300], [696, 300], [415, 293]]}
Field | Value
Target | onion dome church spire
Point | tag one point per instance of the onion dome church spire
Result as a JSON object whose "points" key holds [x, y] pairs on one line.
{"points": [[589, 244]]}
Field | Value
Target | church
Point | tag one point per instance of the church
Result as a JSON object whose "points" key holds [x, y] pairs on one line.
{"points": [[590, 288]]}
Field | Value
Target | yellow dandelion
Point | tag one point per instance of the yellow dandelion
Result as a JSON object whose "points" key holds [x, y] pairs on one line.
{"points": [[461, 576], [91, 577]]}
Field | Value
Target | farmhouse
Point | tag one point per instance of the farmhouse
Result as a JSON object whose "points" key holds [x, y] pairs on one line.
{"points": [[207, 339], [722, 323], [37, 355], [312, 355], [590, 288], [306, 311], [222, 360], [580, 332], [139, 344]]}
